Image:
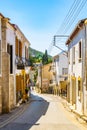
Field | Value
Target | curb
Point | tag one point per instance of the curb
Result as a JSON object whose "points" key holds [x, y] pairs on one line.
{"points": [[80, 115], [71, 109]]}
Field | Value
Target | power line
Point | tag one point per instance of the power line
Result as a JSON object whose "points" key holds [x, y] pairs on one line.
{"points": [[70, 18], [69, 15], [66, 18], [72, 15], [75, 16]]}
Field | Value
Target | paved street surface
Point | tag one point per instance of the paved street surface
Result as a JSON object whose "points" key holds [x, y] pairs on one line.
{"points": [[44, 112]]}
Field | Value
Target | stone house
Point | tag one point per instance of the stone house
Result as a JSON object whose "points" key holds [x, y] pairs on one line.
{"points": [[8, 66], [77, 71]]}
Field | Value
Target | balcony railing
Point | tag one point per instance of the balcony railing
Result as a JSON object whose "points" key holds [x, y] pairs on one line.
{"points": [[27, 62], [22, 62]]}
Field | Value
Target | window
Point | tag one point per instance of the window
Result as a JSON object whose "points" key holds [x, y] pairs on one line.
{"points": [[80, 51], [79, 89], [26, 52], [8, 48], [10, 52], [64, 71], [16, 47], [0, 56], [20, 49], [11, 59], [73, 54]]}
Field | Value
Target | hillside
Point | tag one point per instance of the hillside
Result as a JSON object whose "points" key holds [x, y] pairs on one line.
{"points": [[35, 53], [36, 56]]}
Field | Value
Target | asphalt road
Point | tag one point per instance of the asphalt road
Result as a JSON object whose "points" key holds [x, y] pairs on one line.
{"points": [[45, 112]]}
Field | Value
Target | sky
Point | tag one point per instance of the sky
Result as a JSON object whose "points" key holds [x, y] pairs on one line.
{"points": [[39, 20]]}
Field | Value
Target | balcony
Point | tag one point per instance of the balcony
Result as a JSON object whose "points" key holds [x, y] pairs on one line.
{"points": [[22, 62], [27, 62], [19, 62]]}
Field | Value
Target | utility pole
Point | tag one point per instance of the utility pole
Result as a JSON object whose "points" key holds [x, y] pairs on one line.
{"points": [[55, 42], [65, 52]]}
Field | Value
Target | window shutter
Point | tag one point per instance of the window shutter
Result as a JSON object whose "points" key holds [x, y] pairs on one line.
{"points": [[20, 49], [25, 52], [16, 47]]}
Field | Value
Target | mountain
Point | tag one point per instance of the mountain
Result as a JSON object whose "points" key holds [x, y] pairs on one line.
{"points": [[35, 53], [36, 56]]}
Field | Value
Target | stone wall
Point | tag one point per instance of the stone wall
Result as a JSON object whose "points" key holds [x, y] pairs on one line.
{"points": [[11, 89], [5, 82]]}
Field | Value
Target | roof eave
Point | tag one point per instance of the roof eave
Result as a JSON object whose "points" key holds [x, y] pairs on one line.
{"points": [[75, 31]]}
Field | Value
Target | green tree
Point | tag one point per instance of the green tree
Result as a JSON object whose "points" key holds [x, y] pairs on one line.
{"points": [[45, 58]]}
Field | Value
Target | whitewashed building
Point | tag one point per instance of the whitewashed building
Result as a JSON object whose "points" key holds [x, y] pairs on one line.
{"points": [[77, 58], [60, 63], [61, 66]]}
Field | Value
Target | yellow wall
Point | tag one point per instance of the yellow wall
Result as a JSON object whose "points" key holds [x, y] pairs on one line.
{"points": [[21, 82], [46, 74], [46, 77]]}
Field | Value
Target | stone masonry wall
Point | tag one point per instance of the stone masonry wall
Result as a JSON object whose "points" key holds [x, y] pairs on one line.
{"points": [[5, 69], [5, 82], [11, 89]]}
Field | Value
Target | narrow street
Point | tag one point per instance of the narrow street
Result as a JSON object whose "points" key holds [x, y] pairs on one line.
{"points": [[45, 112]]}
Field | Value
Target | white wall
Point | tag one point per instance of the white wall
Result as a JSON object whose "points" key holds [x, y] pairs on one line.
{"points": [[10, 39], [77, 67], [61, 62]]}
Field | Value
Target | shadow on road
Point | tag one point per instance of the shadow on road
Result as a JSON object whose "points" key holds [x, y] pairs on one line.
{"points": [[40, 108], [36, 109]]}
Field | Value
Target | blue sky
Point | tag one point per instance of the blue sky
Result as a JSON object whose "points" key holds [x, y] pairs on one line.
{"points": [[39, 20]]}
